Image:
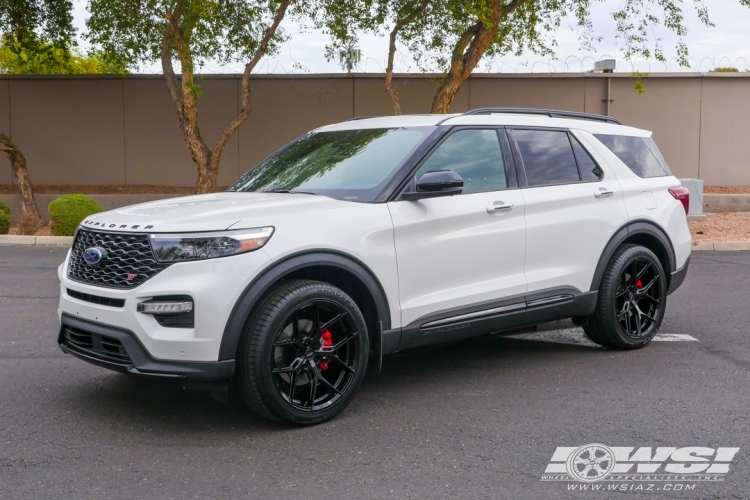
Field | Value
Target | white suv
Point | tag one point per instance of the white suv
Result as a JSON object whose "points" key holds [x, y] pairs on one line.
{"points": [[377, 235]]}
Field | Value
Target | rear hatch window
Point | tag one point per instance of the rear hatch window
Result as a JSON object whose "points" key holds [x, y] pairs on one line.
{"points": [[640, 154]]}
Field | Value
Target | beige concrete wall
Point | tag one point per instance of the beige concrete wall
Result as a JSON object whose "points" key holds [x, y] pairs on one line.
{"points": [[5, 173], [285, 108], [548, 92], [115, 130], [415, 95], [70, 129], [671, 108], [725, 131]]}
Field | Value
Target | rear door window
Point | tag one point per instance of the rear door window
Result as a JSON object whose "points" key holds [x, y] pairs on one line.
{"points": [[637, 154], [547, 157]]}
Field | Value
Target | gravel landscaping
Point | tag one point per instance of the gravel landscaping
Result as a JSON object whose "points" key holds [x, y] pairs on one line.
{"points": [[726, 190], [728, 226]]}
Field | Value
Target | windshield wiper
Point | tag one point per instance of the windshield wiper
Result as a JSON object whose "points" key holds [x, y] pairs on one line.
{"points": [[292, 191]]}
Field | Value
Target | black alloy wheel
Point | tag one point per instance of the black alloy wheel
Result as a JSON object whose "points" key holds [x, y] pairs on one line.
{"points": [[304, 353], [631, 300], [637, 298], [314, 358]]}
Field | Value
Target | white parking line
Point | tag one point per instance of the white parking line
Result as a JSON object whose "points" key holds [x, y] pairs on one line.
{"points": [[674, 337], [575, 336]]}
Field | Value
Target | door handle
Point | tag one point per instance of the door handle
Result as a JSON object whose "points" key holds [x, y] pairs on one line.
{"points": [[499, 206], [604, 193]]}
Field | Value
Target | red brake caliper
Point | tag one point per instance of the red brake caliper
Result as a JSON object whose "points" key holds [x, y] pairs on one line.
{"points": [[326, 340]]}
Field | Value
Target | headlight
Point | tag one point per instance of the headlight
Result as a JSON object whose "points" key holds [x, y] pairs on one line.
{"points": [[197, 246]]}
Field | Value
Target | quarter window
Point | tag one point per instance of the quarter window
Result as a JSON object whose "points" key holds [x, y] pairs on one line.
{"points": [[590, 171], [635, 153], [475, 155], [547, 157]]}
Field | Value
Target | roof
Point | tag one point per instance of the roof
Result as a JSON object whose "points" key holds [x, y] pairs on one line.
{"points": [[515, 117]]}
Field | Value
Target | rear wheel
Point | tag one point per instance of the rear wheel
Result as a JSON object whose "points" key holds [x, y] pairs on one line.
{"points": [[304, 354], [631, 301]]}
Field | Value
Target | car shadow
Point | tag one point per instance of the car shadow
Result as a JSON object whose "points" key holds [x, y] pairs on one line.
{"points": [[113, 399]]}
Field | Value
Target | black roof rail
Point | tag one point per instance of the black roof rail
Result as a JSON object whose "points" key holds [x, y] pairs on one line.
{"points": [[552, 113], [359, 118]]}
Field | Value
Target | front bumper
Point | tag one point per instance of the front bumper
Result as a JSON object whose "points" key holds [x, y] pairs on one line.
{"points": [[120, 350], [214, 285]]}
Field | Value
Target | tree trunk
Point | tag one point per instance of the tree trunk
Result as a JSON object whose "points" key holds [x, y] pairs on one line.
{"points": [[392, 52], [468, 51], [183, 94], [30, 220]]}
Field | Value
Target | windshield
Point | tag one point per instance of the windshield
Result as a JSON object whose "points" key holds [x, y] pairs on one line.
{"points": [[346, 164]]}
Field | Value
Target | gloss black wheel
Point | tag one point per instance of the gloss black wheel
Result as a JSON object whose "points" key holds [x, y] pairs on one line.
{"points": [[638, 298], [315, 355], [304, 353], [631, 301]]}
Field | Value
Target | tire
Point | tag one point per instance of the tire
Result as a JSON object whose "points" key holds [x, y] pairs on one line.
{"points": [[631, 302], [285, 361]]}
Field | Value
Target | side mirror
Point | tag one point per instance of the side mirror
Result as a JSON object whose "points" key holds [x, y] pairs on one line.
{"points": [[435, 184]]}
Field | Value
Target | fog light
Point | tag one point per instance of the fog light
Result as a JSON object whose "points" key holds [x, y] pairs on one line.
{"points": [[165, 307]]}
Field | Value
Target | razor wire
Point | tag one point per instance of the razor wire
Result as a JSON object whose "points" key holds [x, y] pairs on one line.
{"points": [[285, 63]]}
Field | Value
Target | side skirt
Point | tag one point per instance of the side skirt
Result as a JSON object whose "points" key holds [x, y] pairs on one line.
{"points": [[506, 316]]}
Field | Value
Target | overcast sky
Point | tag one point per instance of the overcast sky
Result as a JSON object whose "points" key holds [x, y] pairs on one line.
{"points": [[726, 44]]}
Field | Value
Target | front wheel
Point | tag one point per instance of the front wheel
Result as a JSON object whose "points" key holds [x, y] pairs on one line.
{"points": [[304, 354], [631, 302]]}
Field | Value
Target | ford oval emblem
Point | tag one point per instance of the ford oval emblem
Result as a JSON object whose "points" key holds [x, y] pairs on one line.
{"points": [[94, 255]]}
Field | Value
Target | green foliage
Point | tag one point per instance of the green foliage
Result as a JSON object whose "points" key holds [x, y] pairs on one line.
{"points": [[16, 60], [214, 30], [4, 218], [67, 211], [4, 223], [639, 86], [437, 34], [725, 70], [38, 30]]}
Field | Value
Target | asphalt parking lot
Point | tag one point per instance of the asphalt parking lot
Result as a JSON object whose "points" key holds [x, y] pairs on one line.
{"points": [[478, 419]]}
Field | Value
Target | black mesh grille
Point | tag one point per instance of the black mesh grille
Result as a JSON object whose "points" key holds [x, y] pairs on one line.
{"points": [[129, 261], [95, 345]]}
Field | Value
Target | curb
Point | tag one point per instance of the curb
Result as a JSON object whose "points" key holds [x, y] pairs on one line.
{"points": [[722, 246], [54, 241]]}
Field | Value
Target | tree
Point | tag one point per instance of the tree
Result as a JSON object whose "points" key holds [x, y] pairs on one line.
{"points": [[455, 35], [30, 221], [65, 61], [191, 32], [41, 31]]}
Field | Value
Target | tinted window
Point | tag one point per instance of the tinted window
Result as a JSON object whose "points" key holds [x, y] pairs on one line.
{"points": [[635, 153], [474, 155], [547, 157], [346, 164], [654, 149], [590, 171]]}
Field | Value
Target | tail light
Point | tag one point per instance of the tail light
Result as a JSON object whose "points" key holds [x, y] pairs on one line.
{"points": [[681, 194]]}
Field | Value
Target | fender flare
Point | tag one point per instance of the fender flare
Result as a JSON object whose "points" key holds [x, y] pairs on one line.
{"points": [[628, 230], [257, 288]]}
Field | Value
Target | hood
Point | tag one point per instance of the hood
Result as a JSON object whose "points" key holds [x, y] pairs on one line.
{"points": [[208, 212]]}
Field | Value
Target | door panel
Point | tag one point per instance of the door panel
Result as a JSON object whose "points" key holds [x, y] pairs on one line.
{"points": [[573, 207], [458, 251], [463, 250], [567, 228]]}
